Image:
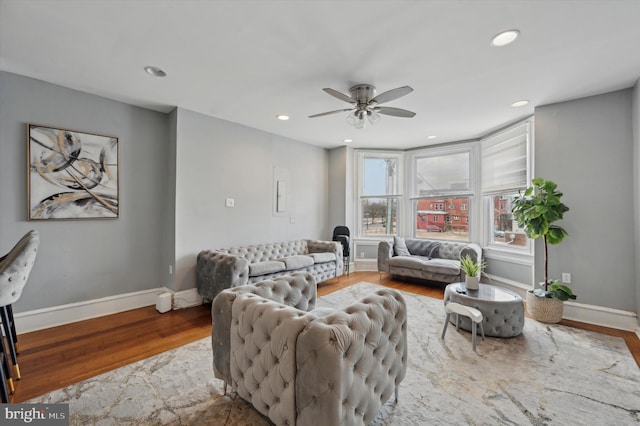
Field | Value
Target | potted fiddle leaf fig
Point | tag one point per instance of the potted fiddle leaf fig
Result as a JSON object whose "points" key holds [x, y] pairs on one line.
{"points": [[535, 211]]}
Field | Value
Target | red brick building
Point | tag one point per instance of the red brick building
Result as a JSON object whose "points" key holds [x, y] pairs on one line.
{"points": [[443, 214]]}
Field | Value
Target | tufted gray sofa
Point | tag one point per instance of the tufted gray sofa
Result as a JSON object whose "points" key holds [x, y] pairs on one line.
{"points": [[224, 268], [301, 366], [434, 260]]}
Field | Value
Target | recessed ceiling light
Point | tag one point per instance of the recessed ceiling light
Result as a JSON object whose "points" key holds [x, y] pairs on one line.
{"points": [[504, 38], [155, 71], [347, 140], [431, 137], [519, 103], [282, 117]]}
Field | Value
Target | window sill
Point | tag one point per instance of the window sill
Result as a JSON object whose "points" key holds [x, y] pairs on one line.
{"points": [[520, 257]]}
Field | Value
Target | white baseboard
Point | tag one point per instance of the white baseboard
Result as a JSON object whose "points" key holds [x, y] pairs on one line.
{"points": [[590, 314], [186, 298], [600, 315], [64, 314]]}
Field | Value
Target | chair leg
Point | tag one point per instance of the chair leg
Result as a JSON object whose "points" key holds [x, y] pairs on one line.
{"points": [[396, 392], [4, 316], [474, 328], [4, 395], [446, 322], [482, 329], [13, 328], [6, 371]]}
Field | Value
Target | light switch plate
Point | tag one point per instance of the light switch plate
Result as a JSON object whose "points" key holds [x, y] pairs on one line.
{"points": [[229, 202]]}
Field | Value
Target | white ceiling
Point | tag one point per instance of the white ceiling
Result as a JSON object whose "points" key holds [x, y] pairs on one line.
{"points": [[247, 61]]}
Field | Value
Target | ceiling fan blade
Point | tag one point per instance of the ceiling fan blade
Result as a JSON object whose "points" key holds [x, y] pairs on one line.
{"points": [[330, 112], [339, 95], [396, 112], [392, 94]]}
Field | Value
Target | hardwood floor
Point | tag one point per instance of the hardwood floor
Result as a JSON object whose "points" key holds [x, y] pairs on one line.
{"points": [[59, 356]]}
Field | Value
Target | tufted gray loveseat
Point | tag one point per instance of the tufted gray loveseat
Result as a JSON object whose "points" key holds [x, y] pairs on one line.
{"points": [[434, 260], [301, 366], [224, 268]]}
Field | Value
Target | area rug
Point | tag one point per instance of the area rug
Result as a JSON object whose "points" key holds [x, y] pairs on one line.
{"points": [[549, 375]]}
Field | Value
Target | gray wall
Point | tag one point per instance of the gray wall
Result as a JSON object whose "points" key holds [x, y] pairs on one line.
{"points": [[636, 188], [338, 187], [81, 260], [511, 270], [175, 172], [217, 159], [586, 147], [169, 229]]}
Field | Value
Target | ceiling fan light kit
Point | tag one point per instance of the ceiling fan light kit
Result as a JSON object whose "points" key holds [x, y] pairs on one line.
{"points": [[365, 104]]}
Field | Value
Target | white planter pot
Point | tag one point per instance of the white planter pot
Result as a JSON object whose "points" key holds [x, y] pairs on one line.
{"points": [[544, 309], [471, 282]]}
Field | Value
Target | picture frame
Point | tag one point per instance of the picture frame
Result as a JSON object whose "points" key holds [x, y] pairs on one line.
{"points": [[71, 174]]}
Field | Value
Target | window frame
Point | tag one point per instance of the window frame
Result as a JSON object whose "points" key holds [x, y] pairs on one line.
{"points": [[470, 148], [488, 242], [361, 157]]}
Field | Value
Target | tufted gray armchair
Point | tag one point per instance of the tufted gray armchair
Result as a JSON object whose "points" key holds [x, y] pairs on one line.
{"points": [[310, 367], [15, 268]]}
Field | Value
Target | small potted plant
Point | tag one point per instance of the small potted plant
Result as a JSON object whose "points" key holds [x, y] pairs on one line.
{"points": [[535, 211], [472, 269]]}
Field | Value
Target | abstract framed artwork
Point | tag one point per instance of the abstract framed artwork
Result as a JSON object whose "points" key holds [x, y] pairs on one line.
{"points": [[71, 174]]}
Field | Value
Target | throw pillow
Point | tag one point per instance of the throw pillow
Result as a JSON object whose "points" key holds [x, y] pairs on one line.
{"points": [[433, 250], [400, 247], [424, 247]]}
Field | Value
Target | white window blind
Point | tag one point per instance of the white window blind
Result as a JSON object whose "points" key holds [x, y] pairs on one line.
{"points": [[504, 160], [442, 174]]}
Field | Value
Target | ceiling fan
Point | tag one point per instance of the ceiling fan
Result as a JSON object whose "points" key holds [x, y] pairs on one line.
{"points": [[365, 104]]}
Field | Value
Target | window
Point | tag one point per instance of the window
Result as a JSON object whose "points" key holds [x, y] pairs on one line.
{"points": [[442, 178], [456, 218], [505, 171], [379, 193], [503, 228]]}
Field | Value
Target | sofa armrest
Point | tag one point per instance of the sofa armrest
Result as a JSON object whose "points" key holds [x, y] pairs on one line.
{"points": [[385, 252], [263, 355], [316, 246], [217, 271], [298, 290], [474, 251], [350, 362]]}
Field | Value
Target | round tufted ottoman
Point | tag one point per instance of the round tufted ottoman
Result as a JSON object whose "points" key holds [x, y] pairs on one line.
{"points": [[502, 309]]}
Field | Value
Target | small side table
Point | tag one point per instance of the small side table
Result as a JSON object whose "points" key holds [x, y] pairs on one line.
{"points": [[502, 309]]}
